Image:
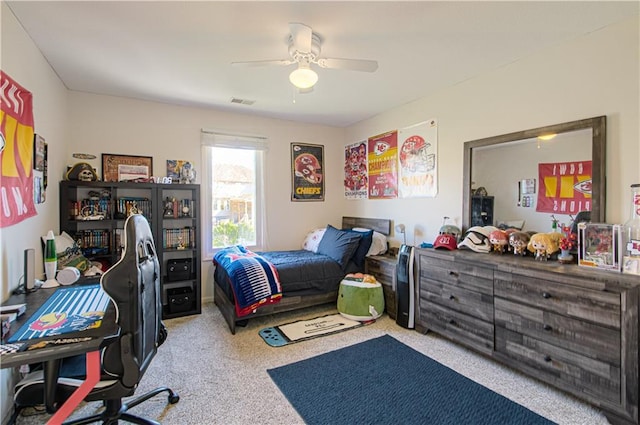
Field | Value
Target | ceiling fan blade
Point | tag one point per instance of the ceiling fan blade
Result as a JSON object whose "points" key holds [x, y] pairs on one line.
{"points": [[301, 37], [277, 62], [351, 64]]}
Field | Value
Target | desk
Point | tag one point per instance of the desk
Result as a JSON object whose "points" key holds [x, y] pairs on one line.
{"points": [[51, 355]]}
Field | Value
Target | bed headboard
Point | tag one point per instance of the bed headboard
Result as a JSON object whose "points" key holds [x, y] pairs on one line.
{"points": [[378, 224]]}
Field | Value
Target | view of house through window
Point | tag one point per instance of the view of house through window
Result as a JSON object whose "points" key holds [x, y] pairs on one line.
{"points": [[233, 197]]}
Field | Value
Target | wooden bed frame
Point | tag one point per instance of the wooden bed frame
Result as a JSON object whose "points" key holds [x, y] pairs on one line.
{"points": [[227, 307]]}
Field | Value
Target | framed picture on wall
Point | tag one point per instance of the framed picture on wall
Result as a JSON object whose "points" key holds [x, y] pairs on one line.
{"points": [[126, 167], [307, 172]]}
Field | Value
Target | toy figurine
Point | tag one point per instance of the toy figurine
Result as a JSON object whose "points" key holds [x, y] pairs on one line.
{"points": [[518, 242], [499, 241], [544, 244]]}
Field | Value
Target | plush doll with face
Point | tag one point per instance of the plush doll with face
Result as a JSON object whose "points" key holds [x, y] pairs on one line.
{"points": [[518, 242], [499, 241], [544, 244]]}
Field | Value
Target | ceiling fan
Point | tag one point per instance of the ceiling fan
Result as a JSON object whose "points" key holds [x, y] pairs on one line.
{"points": [[304, 50]]}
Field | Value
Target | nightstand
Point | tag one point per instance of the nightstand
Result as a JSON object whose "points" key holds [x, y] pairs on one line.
{"points": [[383, 268]]}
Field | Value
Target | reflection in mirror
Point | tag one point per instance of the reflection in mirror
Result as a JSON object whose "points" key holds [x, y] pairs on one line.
{"points": [[507, 170]]}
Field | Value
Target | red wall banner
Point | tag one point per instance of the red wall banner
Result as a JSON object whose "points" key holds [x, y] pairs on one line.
{"points": [[565, 187], [16, 152]]}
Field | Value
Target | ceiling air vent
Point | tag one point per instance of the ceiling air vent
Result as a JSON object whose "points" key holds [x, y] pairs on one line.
{"points": [[242, 101]]}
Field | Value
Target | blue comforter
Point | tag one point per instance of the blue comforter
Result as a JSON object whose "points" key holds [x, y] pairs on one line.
{"points": [[254, 280]]}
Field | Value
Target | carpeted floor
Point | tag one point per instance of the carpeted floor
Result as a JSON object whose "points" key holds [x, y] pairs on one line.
{"points": [[222, 378]]}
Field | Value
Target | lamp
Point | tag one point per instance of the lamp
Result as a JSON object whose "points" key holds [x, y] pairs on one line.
{"points": [[304, 77], [50, 261], [401, 229]]}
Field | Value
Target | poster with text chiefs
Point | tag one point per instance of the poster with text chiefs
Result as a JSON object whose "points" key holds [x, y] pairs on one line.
{"points": [[16, 152], [383, 168], [307, 177], [417, 151], [356, 176], [565, 187]]}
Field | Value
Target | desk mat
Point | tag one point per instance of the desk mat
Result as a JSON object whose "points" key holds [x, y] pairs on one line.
{"points": [[70, 309]]}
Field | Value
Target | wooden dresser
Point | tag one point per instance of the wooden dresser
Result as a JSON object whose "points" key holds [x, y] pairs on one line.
{"points": [[571, 327]]}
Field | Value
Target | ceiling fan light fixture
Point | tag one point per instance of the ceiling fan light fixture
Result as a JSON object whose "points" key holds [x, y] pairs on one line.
{"points": [[303, 77]]}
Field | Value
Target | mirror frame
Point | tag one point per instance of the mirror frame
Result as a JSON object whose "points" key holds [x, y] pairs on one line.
{"points": [[598, 126]]}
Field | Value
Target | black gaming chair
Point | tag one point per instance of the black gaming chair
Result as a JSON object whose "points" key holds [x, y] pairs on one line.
{"points": [[133, 284]]}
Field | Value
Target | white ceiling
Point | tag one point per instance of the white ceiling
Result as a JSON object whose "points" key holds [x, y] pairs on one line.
{"points": [[181, 52]]}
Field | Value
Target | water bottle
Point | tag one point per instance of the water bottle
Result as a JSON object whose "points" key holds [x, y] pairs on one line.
{"points": [[631, 247]]}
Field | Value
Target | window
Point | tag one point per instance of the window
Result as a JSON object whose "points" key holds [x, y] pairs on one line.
{"points": [[232, 191]]}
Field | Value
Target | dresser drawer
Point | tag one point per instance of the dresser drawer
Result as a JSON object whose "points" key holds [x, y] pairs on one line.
{"points": [[594, 341], [383, 268], [457, 298], [599, 307], [459, 327], [566, 369], [460, 274]]}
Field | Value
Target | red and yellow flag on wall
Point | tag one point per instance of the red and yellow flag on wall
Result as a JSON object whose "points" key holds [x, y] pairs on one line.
{"points": [[565, 187], [16, 152]]}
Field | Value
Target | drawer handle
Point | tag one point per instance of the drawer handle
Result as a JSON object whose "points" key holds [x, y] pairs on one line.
{"points": [[547, 358], [454, 274], [547, 327], [452, 297], [546, 295]]}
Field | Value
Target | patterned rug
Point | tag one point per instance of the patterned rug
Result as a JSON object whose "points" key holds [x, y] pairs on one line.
{"points": [[303, 330]]}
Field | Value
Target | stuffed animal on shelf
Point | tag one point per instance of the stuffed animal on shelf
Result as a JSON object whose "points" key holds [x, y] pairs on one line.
{"points": [[544, 244], [81, 172]]}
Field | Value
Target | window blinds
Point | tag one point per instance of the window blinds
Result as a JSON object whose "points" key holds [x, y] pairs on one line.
{"points": [[235, 141]]}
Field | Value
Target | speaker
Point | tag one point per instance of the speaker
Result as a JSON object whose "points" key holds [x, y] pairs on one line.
{"points": [[29, 269], [405, 288]]}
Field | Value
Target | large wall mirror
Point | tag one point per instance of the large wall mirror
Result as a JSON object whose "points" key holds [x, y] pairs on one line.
{"points": [[502, 176]]}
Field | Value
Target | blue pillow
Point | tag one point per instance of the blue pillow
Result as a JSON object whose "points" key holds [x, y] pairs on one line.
{"points": [[339, 245], [363, 248]]}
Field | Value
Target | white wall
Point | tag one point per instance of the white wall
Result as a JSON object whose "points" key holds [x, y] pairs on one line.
{"points": [[105, 124], [23, 62], [597, 74]]}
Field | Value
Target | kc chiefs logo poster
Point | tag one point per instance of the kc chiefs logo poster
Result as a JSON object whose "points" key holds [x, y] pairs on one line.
{"points": [[565, 187], [16, 152]]}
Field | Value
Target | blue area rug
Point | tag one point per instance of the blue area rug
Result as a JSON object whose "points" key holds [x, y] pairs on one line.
{"points": [[382, 381]]}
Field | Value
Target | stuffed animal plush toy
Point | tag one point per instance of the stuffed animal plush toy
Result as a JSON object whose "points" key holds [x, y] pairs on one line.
{"points": [[544, 244], [82, 172]]}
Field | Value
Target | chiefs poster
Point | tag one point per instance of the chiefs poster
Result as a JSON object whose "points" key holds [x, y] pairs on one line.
{"points": [[565, 187], [383, 168], [356, 178], [16, 152], [417, 151], [307, 177]]}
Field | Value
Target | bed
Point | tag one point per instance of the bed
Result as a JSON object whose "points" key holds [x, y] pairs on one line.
{"points": [[307, 278]]}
